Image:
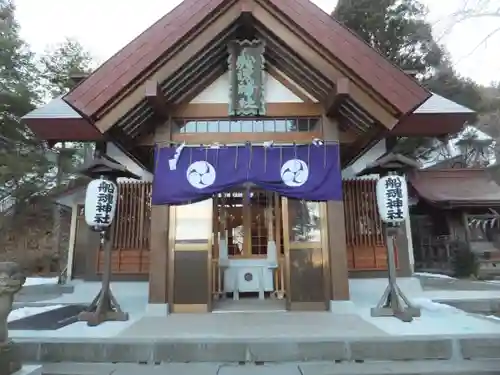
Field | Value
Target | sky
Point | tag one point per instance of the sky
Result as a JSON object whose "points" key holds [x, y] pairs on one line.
{"points": [[105, 26]]}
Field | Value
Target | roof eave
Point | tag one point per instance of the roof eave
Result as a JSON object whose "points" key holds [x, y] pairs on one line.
{"points": [[432, 124], [462, 203]]}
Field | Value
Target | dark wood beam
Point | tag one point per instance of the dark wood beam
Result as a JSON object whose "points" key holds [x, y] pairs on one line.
{"points": [[274, 45], [156, 99], [354, 118], [355, 150], [295, 75], [335, 99], [212, 61], [211, 51], [247, 7], [287, 82], [129, 147], [200, 83]]}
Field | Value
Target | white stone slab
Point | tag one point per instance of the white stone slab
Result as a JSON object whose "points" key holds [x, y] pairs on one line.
{"points": [[157, 309], [401, 368], [30, 370]]}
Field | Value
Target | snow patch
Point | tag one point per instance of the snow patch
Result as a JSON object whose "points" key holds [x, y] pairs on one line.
{"points": [[430, 305], [24, 312], [494, 317], [434, 275], [40, 281]]}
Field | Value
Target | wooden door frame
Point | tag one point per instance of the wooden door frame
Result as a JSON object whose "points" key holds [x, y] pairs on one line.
{"points": [[325, 258], [246, 213], [286, 248]]}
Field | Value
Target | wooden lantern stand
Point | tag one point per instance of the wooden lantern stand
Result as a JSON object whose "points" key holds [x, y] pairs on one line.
{"points": [[393, 302], [105, 307]]}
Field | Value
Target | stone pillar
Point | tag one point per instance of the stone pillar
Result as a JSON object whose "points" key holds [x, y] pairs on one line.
{"points": [[11, 281]]}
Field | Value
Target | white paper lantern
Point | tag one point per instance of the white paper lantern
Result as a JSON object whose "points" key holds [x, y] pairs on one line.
{"points": [[100, 203], [392, 199]]}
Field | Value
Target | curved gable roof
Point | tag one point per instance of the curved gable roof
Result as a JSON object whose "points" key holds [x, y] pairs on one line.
{"points": [[129, 65]]}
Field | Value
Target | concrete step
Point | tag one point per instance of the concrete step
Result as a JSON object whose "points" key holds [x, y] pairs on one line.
{"points": [[30, 370], [276, 350], [315, 368]]}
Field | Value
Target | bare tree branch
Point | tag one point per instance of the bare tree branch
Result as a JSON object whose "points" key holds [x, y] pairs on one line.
{"points": [[479, 9], [483, 42]]}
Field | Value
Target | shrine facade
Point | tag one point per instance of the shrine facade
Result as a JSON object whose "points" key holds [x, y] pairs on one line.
{"points": [[249, 120]]}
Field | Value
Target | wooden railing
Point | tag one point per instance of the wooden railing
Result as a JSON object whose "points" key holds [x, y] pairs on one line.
{"points": [[365, 240]]}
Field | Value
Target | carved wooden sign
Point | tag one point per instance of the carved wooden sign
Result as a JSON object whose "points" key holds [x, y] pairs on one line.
{"points": [[246, 78]]}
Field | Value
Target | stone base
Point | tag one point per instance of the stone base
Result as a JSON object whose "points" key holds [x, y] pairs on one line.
{"points": [[157, 310], [342, 307], [29, 370], [10, 358]]}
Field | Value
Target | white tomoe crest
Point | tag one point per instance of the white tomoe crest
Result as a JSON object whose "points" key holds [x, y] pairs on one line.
{"points": [[201, 174], [294, 172], [392, 199], [100, 203]]}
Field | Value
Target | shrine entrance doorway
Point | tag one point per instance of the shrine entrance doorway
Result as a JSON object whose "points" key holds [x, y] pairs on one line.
{"points": [[248, 257]]}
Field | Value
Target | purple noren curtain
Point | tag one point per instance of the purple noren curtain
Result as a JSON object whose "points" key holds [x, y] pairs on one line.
{"points": [[309, 172]]}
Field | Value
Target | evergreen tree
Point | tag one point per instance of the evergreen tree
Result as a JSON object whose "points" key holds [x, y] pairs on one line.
{"points": [[57, 67], [448, 83], [396, 28], [27, 167], [22, 158], [60, 63]]}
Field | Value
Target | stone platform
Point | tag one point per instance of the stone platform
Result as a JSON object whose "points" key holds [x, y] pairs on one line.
{"points": [[310, 368], [346, 336], [29, 370], [271, 350]]}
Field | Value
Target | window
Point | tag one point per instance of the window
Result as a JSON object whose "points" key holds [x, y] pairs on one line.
{"points": [[193, 222], [304, 221], [280, 125]]}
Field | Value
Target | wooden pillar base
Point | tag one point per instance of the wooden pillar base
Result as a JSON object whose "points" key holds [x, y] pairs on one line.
{"points": [[393, 302], [104, 308]]}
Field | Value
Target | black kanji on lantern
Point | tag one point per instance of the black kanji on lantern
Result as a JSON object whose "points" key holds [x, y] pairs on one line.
{"points": [[104, 205], [394, 198]]}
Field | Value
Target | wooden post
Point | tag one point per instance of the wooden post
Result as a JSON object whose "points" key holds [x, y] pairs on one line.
{"points": [[336, 231], [105, 307], [393, 301], [159, 241]]}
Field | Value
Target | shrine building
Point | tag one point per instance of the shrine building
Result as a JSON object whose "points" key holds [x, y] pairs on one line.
{"points": [[248, 122]]}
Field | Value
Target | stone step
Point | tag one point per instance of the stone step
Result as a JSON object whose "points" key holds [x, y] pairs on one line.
{"points": [[277, 350], [490, 367], [29, 370]]}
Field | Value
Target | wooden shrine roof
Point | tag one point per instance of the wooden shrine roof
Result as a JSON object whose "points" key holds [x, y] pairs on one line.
{"points": [[165, 38], [460, 187]]}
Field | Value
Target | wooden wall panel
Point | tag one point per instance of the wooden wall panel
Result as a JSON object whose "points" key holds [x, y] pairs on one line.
{"points": [[131, 230], [366, 247]]}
